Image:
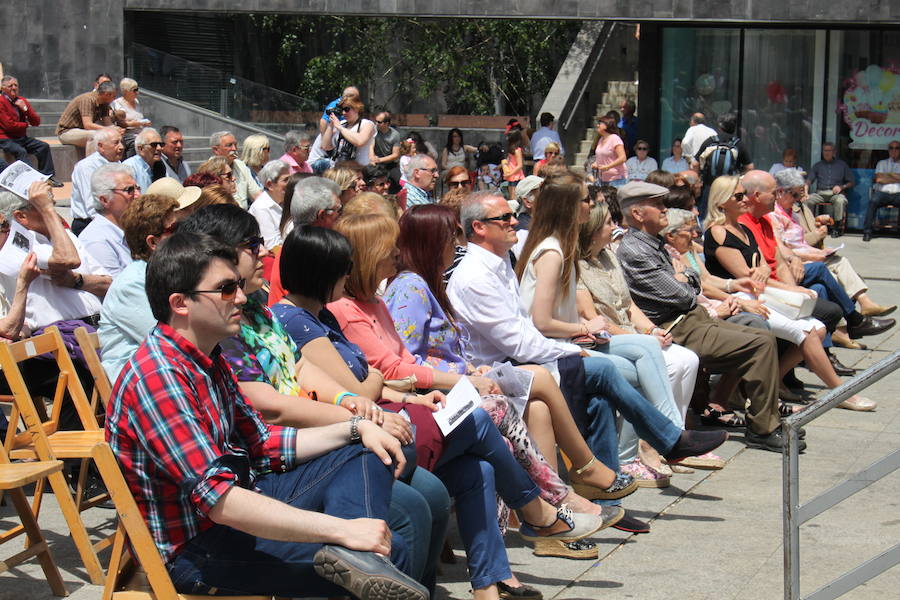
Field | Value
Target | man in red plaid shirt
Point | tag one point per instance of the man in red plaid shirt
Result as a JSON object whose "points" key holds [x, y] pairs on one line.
{"points": [[236, 506]]}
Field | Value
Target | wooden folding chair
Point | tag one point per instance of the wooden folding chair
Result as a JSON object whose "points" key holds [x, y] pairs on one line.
{"points": [[13, 477], [90, 347], [43, 441], [133, 529]]}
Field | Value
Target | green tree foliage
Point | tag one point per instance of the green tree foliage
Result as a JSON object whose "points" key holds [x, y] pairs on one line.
{"points": [[478, 66]]}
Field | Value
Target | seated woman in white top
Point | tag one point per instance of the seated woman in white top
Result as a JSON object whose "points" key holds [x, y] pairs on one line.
{"points": [[640, 165], [267, 207]]}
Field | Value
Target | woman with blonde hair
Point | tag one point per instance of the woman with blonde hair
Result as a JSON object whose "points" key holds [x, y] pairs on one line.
{"points": [[369, 203], [348, 179], [130, 108], [255, 154], [548, 270], [473, 461], [551, 156], [218, 165]]}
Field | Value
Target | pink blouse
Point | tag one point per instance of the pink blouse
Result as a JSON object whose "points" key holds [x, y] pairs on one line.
{"points": [[605, 154], [369, 326]]}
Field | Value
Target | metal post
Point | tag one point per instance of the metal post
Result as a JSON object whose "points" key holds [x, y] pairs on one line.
{"points": [[791, 503]]}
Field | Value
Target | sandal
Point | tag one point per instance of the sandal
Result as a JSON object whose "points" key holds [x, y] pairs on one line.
{"points": [[786, 410], [713, 416]]}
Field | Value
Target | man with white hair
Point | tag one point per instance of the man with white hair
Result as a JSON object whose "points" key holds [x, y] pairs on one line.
{"points": [[421, 175], [109, 149], [149, 145], [316, 201], [297, 145], [267, 206], [224, 144], [113, 188]]}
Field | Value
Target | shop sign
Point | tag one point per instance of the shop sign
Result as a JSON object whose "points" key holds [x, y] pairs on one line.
{"points": [[871, 107]]}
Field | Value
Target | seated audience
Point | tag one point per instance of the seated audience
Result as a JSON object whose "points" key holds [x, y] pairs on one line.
{"points": [[665, 295], [348, 180], [129, 112], [109, 150], [113, 188], [828, 180], [87, 113], [216, 166], [16, 114], [173, 153], [424, 320], [149, 152], [551, 157], [661, 177], [377, 179], [12, 300], [297, 145], [469, 448], [421, 174], [268, 206], [126, 317], [789, 209], [176, 404], [368, 203], [186, 195], [788, 161]]}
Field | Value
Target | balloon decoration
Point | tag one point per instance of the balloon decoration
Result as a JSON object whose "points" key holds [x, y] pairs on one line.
{"points": [[776, 92]]}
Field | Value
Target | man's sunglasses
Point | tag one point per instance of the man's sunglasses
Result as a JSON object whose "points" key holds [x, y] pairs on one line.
{"points": [[382, 122], [227, 291], [130, 190], [155, 144], [504, 218]]}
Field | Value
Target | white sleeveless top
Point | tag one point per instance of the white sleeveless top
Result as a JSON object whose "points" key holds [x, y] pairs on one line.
{"points": [[566, 308]]}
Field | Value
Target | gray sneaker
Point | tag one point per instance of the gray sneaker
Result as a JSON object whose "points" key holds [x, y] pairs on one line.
{"points": [[366, 575]]}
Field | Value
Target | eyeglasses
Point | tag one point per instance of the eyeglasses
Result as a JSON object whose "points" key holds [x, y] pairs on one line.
{"points": [[587, 200], [893, 147], [155, 144], [382, 122], [339, 210], [644, 148], [252, 244], [307, 148], [266, 149], [229, 175], [739, 196], [227, 291], [346, 108], [796, 194], [504, 218], [129, 191], [432, 171], [456, 184]]}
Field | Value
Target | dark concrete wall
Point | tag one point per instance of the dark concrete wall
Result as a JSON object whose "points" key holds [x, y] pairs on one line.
{"points": [[797, 11], [56, 48]]}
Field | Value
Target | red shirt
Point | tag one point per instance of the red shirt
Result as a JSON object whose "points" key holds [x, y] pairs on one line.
{"points": [[765, 238], [12, 122]]}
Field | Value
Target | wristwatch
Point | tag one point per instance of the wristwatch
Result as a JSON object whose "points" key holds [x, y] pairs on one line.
{"points": [[79, 281], [354, 429]]}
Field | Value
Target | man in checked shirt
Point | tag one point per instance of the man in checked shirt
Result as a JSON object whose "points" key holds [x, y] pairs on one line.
{"points": [[236, 506]]}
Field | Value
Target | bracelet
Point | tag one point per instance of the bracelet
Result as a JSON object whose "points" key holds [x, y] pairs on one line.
{"points": [[728, 285], [338, 398]]}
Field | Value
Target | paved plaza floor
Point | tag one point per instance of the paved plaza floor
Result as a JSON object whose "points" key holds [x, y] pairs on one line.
{"points": [[715, 535]]}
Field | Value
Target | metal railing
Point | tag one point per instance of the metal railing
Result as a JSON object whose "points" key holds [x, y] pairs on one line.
{"points": [[795, 514]]}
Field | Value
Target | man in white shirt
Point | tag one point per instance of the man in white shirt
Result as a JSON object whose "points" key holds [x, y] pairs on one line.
{"points": [[148, 145], [72, 282], [543, 136], [484, 293], [887, 186], [267, 208], [109, 149], [697, 133], [641, 164], [114, 188]]}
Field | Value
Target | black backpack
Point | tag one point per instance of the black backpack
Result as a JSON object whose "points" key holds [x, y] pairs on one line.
{"points": [[719, 158]]}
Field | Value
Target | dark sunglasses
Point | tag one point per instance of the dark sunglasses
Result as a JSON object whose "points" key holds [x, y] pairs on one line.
{"points": [[346, 108], [505, 218], [739, 196], [456, 184], [252, 244], [382, 122], [227, 291], [155, 144], [797, 195], [643, 148]]}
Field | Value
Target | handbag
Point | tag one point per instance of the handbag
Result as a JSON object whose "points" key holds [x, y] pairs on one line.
{"points": [[793, 305]]}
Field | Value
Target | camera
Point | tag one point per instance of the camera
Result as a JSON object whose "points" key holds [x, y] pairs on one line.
{"points": [[336, 111]]}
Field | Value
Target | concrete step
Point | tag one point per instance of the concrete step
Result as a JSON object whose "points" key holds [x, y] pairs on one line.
{"points": [[585, 146]]}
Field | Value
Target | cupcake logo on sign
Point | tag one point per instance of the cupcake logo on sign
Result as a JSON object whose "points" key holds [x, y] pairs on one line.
{"points": [[872, 107]]}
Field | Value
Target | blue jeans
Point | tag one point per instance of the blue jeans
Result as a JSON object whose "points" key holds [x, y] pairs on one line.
{"points": [[419, 513], [475, 466], [816, 276], [877, 200], [348, 483], [639, 359], [609, 393]]}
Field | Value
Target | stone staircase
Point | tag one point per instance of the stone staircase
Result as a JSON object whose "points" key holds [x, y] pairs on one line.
{"points": [[196, 147], [616, 92]]}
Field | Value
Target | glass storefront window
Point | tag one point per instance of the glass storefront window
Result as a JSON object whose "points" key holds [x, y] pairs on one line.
{"points": [[700, 69]]}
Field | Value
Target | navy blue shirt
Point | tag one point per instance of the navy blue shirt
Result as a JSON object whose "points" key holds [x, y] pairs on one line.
{"points": [[826, 175], [304, 327]]}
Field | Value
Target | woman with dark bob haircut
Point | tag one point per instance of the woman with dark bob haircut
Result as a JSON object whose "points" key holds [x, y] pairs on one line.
{"points": [[425, 321], [287, 392]]}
